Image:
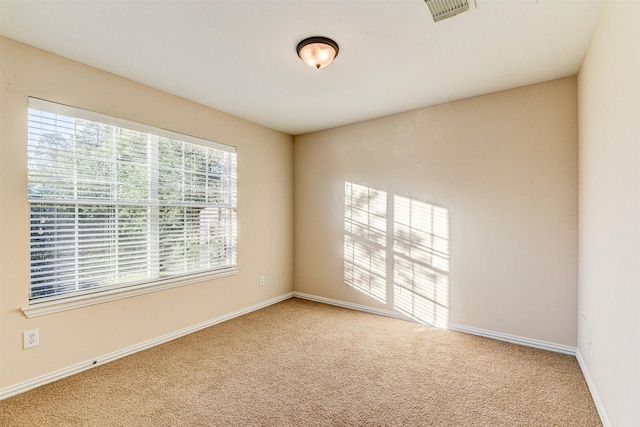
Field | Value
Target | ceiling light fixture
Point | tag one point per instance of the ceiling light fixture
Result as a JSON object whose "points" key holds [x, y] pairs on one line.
{"points": [[317, 52]]}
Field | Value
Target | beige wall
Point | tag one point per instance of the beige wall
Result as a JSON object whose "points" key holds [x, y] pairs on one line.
{"points": [[265, 217], [504, 166], [609, 271]]}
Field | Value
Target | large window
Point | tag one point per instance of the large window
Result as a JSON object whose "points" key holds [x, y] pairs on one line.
{"points": [[115, 204]]}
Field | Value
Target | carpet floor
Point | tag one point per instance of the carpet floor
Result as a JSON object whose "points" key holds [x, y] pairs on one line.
{"points": [[301, 363]]}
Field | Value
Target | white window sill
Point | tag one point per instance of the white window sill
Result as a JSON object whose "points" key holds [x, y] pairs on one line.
{"points": [[43, 308]]}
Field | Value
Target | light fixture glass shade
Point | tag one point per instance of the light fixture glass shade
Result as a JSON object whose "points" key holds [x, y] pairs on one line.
{"points": [[317, 52]]}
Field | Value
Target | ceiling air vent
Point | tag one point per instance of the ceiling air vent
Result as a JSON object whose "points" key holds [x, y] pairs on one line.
{"points": [[443, 9]]}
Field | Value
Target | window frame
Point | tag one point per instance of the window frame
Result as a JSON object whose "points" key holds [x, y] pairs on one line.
{"points": [[60, 302]]}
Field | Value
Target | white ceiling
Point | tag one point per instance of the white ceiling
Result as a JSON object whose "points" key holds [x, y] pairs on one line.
{"points": [[239, 56]]}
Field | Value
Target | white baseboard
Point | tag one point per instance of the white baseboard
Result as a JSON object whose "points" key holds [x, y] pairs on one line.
{"points": [[515, 339], [83, 366], [352, 306], [594, 392], [528, 342]]}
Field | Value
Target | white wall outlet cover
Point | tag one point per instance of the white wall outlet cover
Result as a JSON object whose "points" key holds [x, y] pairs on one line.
{"points": [[31, 338]]}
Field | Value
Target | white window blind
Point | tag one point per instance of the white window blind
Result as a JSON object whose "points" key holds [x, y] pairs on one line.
{"points": [[116, 204]]}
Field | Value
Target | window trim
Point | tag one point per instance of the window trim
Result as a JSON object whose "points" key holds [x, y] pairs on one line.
{"points": [[64, 304], [49, 306]]}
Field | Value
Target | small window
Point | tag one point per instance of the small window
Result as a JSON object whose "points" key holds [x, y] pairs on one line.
{"points": [[115, 204]]}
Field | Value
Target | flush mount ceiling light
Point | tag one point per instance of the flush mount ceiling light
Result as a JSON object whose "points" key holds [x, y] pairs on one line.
{"points": [[317, 52]]}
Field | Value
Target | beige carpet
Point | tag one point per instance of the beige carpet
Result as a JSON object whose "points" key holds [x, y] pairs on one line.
{"points": [[300, 363]]}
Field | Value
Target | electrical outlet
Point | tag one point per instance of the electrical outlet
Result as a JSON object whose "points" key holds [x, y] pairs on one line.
{"points": [[31, 338], [261, 280]]}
